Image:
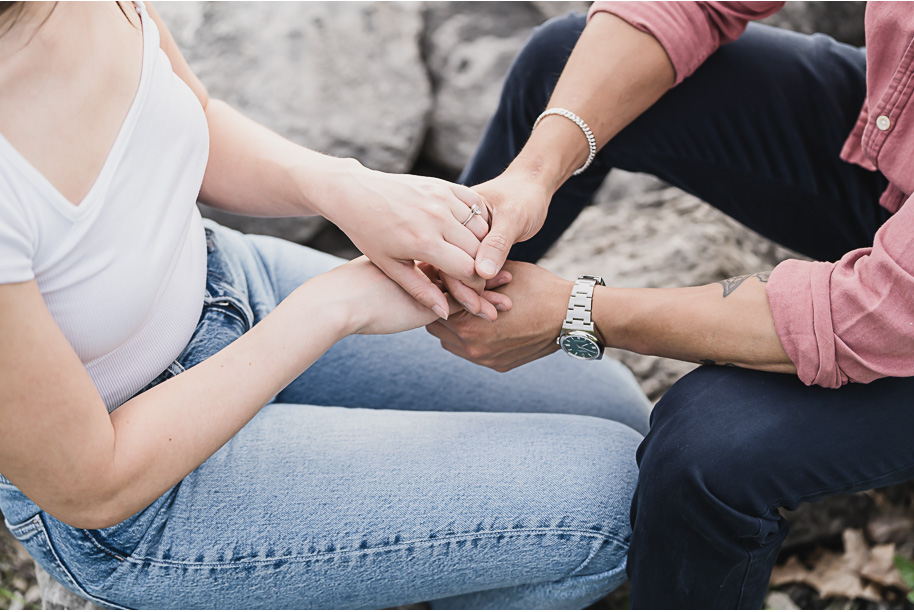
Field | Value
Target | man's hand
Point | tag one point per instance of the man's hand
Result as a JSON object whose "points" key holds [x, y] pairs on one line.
{"points": [[517, 205], [525, 333]]}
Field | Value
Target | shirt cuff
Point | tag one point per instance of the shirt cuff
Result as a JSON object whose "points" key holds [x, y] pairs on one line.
{"points": [[800, 300]]}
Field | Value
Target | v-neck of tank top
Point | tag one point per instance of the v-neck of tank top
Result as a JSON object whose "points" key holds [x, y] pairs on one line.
{"points": [[99, 187]]}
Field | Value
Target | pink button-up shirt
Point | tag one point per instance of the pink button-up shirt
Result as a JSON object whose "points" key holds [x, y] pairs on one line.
{"points": [[851, 320]]}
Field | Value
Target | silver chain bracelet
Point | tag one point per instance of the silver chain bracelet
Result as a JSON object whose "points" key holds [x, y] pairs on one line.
{"points": [[591, 141]]}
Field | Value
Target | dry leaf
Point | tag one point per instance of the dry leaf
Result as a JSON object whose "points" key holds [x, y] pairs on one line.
{"points": [[881, 567], [777, 600], [835, 575], [791, 571]]}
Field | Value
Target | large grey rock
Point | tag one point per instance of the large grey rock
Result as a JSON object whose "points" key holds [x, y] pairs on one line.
{"points": [[841, 20], [469, 47], [663, 238], [342, 78]]}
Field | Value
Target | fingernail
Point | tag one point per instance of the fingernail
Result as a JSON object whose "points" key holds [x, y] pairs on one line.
{"points": [[466, 306], [439, 311], [483, 315], [487, 267], [501, 307]]}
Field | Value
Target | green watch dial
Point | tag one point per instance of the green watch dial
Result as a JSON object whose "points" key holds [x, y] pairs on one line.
{"points": [[581, 347]]}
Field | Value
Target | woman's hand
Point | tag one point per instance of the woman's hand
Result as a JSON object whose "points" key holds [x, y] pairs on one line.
{"points": [[397, 220], [371, 302]]}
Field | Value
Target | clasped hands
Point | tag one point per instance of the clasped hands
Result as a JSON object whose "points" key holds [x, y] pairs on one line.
{"points": [[412, 228]]}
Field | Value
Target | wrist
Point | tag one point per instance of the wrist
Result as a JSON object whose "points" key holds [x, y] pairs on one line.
{"points": [[556, 149], [611, 316], [323, 185], [539, 171], [333, 299]]}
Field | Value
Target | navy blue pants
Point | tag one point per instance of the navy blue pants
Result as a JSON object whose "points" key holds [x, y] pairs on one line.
{"points": [[756, 131]]}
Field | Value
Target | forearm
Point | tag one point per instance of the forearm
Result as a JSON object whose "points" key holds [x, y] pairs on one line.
{"points": [[162, 435], [727, 323], [252, 170], [614, 74]]}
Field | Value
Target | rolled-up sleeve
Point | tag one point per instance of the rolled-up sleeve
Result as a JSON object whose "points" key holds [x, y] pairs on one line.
{"points": [[689, 31], [853, 320]]}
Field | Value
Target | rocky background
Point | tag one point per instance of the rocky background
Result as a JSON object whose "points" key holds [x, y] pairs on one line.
{"points": [[408, 87]]}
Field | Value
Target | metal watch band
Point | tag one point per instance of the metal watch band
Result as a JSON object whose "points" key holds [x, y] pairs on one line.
{"points": [[580, 305]]}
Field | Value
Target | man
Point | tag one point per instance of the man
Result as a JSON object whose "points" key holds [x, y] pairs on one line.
{"points": [[769, 129]]}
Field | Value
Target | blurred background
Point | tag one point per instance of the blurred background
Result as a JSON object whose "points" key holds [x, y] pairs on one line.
{"points": [[409, 87]]}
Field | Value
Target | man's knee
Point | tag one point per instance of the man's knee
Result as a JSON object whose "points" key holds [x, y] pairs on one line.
{"points": [[692, 461]]}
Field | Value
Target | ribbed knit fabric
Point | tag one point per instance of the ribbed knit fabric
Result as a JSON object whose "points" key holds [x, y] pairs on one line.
{"points": [[123, 273]]}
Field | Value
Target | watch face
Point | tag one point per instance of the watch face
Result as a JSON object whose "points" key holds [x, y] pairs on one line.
{"points": [[580, 346]]}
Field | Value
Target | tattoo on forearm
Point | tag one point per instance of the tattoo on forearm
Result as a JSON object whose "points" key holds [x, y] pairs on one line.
{"points": [[712, 362], [732, 284]]}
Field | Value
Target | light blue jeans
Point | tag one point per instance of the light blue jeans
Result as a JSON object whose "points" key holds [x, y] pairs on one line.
{"points": [[390, 472]]}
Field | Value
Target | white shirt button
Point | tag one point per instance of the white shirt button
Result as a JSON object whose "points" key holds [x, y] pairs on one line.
{"points": [[883, 122]]}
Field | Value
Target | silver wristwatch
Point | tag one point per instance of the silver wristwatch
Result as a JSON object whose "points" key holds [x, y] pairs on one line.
{"points": [[579, 336]]}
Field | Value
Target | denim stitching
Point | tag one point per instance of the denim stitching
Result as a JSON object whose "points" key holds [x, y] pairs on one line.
{"points": [[24, 529], [594, 551], [39, 527], [399, 546]]}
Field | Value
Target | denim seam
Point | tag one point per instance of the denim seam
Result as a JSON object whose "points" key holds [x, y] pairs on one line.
{"points": [[318, 556], [26, 528], [42, 530], [228, 304], [230, 312], [595, 549]]}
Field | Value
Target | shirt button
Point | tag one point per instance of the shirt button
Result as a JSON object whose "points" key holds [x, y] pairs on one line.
{"points": [[883, 122]]}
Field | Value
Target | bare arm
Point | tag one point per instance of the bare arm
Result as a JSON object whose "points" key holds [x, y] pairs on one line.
{"points": [[96, 470], [727, 323], [394, 219], [614, 74]]}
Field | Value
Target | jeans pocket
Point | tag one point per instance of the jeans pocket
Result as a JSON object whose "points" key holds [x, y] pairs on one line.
{"points": [[33, 535], [225, 318]]}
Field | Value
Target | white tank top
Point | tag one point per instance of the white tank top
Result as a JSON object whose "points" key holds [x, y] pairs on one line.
{"points": [[123, 274]]}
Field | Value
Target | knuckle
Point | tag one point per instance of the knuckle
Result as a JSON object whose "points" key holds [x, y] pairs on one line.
{"points": [[469, 271], [421, 295], [477, 353], [423, 244], [498, 241]]}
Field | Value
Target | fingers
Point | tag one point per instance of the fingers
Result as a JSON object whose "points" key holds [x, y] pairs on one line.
{"points": [[470, 197], [443, 333], [499, 301], [462, 238], [416, 283], [476, 225], [495, 246], [501, 279], [470, 300], [455, 262]]}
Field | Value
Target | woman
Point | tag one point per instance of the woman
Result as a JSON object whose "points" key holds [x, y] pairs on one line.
{"points": [[304, 462]]}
